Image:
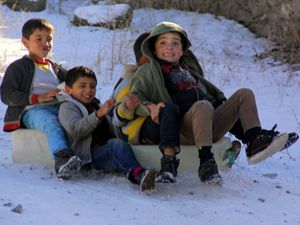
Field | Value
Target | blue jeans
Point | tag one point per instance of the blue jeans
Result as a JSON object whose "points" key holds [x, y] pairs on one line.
{"points": [[45, 119], [115, 155]]}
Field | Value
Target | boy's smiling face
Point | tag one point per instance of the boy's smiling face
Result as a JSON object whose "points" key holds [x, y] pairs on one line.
{"points": [[39, 44], [168, 47], [83, 90]]}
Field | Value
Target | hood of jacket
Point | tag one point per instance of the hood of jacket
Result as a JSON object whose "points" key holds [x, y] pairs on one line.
{"points": [[161, 28]]}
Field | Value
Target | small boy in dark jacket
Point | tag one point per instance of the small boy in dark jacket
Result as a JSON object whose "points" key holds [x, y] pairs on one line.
{"points": [[89, 133], [29, 89]]}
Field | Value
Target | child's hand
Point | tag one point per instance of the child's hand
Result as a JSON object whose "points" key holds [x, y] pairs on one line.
{"points": [[154, 110], [49, 96], [106, 108], [132, 101]]}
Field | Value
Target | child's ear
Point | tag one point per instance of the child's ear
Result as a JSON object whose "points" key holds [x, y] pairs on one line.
{"points": [[68, 89], [25, 42]]}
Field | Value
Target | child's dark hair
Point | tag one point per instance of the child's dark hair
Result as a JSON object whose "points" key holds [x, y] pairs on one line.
{"points": [[138, 44], [31, 25], [80, 71]]}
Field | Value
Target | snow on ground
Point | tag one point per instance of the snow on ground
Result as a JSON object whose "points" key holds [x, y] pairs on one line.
{"points": [[104, 13], [268, 193]]}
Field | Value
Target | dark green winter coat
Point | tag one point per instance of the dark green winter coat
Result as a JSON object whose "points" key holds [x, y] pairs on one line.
{"points": [[148, 83]]}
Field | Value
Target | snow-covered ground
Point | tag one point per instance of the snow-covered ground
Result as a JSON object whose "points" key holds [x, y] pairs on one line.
{"points": [[268, 193]]}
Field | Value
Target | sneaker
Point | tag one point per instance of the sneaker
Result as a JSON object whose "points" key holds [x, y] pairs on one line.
{"points": [[66, 164], [266, 144], [168, 172], [232, 153], [236, 147], [146, 180], [208, 172], [293, 137]]}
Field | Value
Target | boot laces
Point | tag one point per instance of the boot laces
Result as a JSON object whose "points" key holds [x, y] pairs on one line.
{"points": [[271, 132]]}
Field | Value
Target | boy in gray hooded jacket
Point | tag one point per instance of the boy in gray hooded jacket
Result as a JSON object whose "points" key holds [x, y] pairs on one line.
{"points": [[88, 130]]}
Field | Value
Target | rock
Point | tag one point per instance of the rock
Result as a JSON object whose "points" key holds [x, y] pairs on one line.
{"points": [[270, 175], [108, 16], [26, 5], [17, 209], [8, 204]]}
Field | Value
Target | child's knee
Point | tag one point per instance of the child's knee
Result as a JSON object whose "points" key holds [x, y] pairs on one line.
{"points": [[116, 142], [202, 106], [245, 92]]}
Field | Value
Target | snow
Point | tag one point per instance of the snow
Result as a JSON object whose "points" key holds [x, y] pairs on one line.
{"points": [[267, 193], [101, 13]]}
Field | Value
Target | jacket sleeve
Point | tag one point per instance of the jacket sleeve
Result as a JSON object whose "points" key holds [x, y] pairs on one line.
{"points": [[75, 123], [216, 92], [122, 115], [140, 87], [15, 89], [196, 68], [193, 63]]}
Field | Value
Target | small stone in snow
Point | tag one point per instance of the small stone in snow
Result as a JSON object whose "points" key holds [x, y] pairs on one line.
{"points": [[9, 204], [17, 209], [270, 175]]}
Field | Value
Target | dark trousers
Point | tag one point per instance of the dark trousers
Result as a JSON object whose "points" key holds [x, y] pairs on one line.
{"points": [[166, 134]]}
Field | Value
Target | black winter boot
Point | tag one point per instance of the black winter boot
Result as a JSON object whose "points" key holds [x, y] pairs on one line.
{"points": [[146, 179], [66, 164], [208, 169], [208, 172], [168, 172], [265, 144]]}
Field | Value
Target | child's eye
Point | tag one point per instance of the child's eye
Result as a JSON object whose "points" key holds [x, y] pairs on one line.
{"points": [[176, 43], [162, 43]]}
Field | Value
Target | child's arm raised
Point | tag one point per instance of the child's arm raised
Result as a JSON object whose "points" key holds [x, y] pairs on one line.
{"points": [[106, 108]]}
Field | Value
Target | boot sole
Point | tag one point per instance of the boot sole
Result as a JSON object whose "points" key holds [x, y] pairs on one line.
{"points": [[215, 180], [71, 167], [165, 177], [273, 148], [292, 140], [148, 181]]}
